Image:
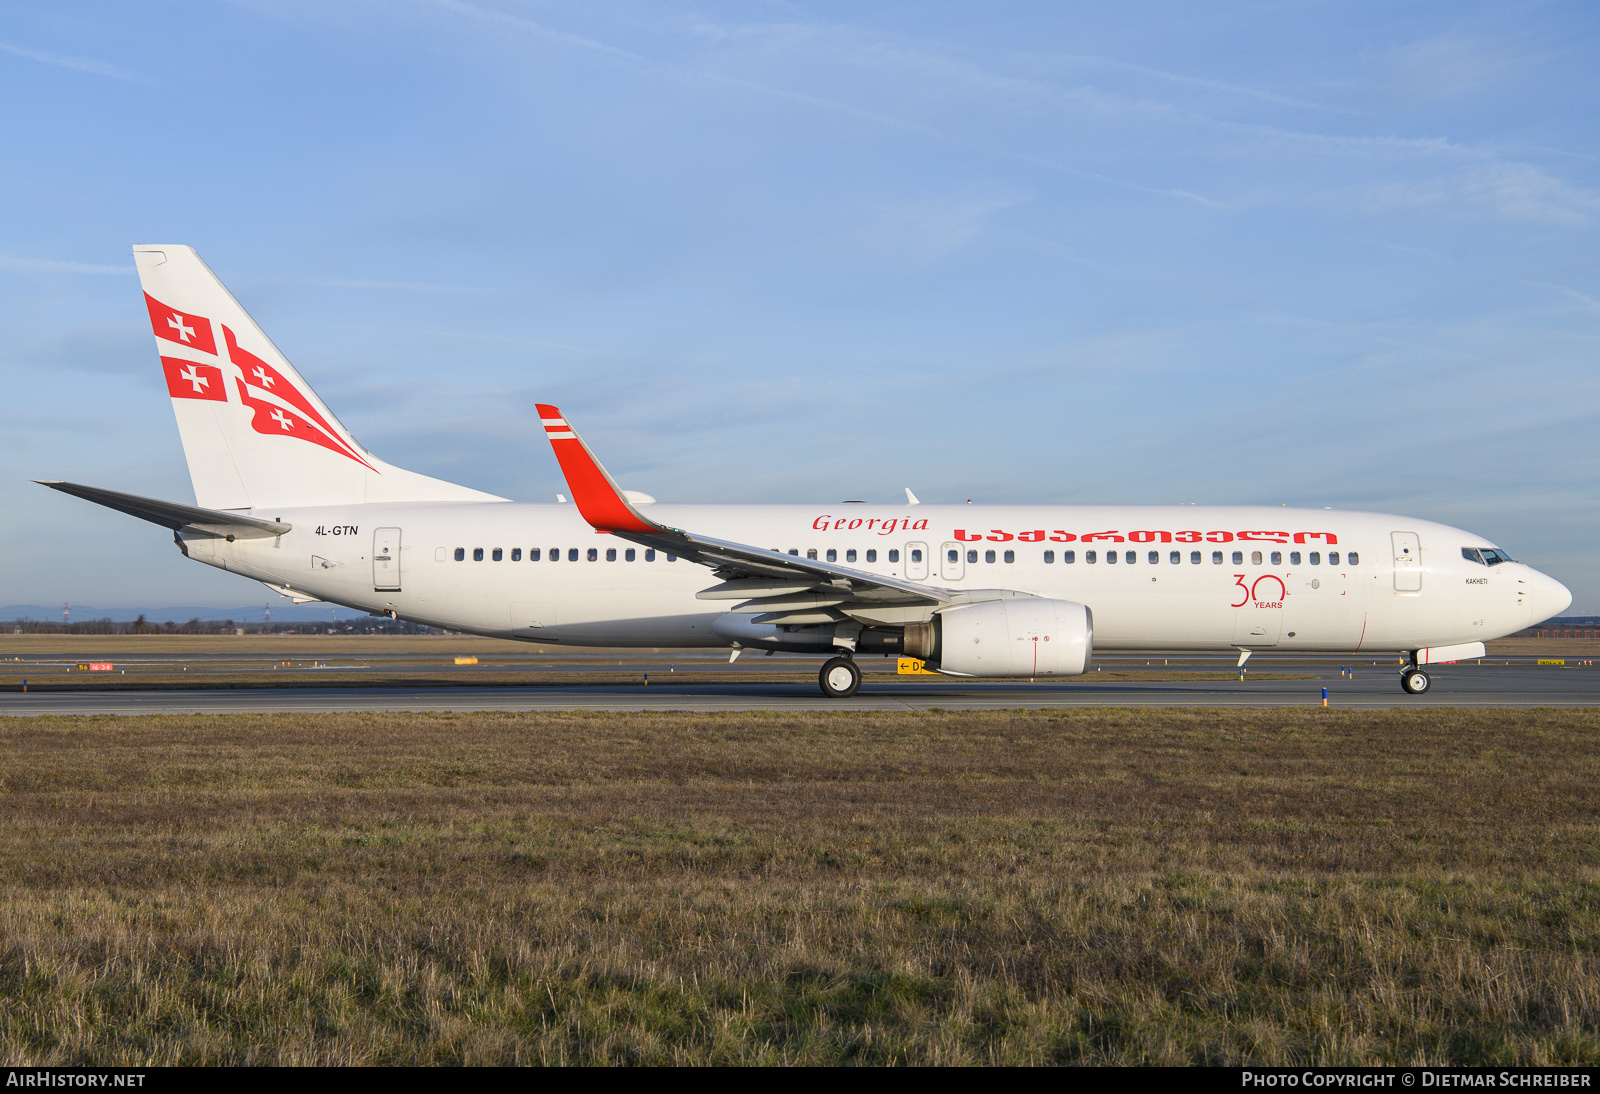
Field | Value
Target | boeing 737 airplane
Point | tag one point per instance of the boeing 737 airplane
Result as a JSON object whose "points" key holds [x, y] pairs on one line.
{"points": [[286, 496]]}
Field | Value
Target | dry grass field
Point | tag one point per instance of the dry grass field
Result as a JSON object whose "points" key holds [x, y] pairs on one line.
{"points": [[1088, 886]]}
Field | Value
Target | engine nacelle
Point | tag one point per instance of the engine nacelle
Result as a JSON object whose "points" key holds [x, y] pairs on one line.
{"points": [[1026, 636]]}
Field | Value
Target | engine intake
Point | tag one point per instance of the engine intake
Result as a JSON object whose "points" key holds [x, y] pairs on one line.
{"points": [[1027, 636]]}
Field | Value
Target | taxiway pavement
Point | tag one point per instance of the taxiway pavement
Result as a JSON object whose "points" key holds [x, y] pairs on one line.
{"points": [[1515, 685]]}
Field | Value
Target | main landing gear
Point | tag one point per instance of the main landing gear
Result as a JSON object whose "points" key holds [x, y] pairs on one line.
{"points": [[1413, 681], [840, 678]]}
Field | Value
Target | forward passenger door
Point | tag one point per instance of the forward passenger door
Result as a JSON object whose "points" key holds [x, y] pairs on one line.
{"points": [[1407, 562]]}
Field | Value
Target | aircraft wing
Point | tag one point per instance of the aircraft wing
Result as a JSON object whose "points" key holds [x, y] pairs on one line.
{"points": [[172, 515], [778, 587]]}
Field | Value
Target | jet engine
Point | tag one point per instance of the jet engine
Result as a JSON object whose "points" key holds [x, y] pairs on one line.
{"points": [[1025, 636]]}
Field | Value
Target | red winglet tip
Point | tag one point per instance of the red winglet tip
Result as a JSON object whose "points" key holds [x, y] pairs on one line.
{"points": [[595, 495]]}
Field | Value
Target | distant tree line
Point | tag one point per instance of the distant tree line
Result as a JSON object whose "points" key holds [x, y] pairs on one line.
{"points": [[368, 625]]}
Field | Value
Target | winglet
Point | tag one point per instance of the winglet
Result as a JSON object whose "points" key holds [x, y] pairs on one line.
{"points": [[594, 491]]}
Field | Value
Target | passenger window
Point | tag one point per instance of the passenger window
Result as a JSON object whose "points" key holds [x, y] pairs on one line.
{"points": [[850, 555], [795, 551], [972, 556], [672, 558], [649, 554], [627, 556], [516, 554], [1194, 558], [833, 555], [611, 554], [1111, 558], [1238, 558], [894, 556], [1068, 557], [555, 554], [1155, 557], [811, 553], [1049, 557], [477, 554], [1277, 558], [1294, 558], [954, 556], [1315, 559], [594, 555], [497, 554], [1131, 557], [533, 554], [1088, 558], [872, 555], [1176, 558], [1255, 558], [988, 556], [1011, 556], [1352, 559], [461, 553], [1216, 558], [1333, 558], [572, 554]]}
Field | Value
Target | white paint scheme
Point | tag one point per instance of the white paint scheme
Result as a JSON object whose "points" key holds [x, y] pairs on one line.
{"points": [[1136, 607], [371, 536]]}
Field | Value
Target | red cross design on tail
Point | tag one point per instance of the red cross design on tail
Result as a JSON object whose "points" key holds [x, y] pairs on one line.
{"points": [[177, 326]]}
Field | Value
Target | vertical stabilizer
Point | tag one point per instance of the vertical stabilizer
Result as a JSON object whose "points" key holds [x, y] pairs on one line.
{"points": [[254, 432]]}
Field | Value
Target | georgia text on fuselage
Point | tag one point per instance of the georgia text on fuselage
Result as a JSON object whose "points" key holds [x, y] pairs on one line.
{"points": [[286, 496]]}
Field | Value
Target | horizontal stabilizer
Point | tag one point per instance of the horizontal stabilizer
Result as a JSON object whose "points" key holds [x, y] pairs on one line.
{"points": [[170, 514]]}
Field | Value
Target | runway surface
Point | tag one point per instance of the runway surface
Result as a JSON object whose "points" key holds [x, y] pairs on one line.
{"points": [[1516, 685]]}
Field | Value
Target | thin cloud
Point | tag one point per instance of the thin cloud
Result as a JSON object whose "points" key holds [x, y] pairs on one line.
{"points": [[50, 265], [77, 64], [1588, 301], [1517, 192], [411, 286], [592, 45], [560, 37], [1212, 85]]}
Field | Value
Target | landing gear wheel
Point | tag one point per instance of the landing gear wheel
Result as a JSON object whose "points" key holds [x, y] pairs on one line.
{"points": [[840, 678], [1414, 682]]}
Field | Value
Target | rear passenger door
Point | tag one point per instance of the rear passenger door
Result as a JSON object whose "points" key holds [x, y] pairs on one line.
{"points": [[386, 560]]}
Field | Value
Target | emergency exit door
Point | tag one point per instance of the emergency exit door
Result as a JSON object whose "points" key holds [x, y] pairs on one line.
{"points": [[386, 560], [951, 565], [1407, 562], [917, 561]]}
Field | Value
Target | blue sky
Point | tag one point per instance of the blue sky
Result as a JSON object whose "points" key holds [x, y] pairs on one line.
{"points": [[1338, 254]]}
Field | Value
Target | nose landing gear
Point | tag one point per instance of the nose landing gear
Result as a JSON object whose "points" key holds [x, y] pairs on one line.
{"points": [[840, 678], [1413, 681]]}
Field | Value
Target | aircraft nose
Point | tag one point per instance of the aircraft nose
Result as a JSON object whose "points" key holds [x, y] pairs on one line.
{"points": [[1548, 597]]}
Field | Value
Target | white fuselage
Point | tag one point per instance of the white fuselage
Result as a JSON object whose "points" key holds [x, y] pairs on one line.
{"points": [[1195, 578]]}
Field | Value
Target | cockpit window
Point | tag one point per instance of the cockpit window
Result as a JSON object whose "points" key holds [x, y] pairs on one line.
{"points": [[1493, 557], [1471, 554]]}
